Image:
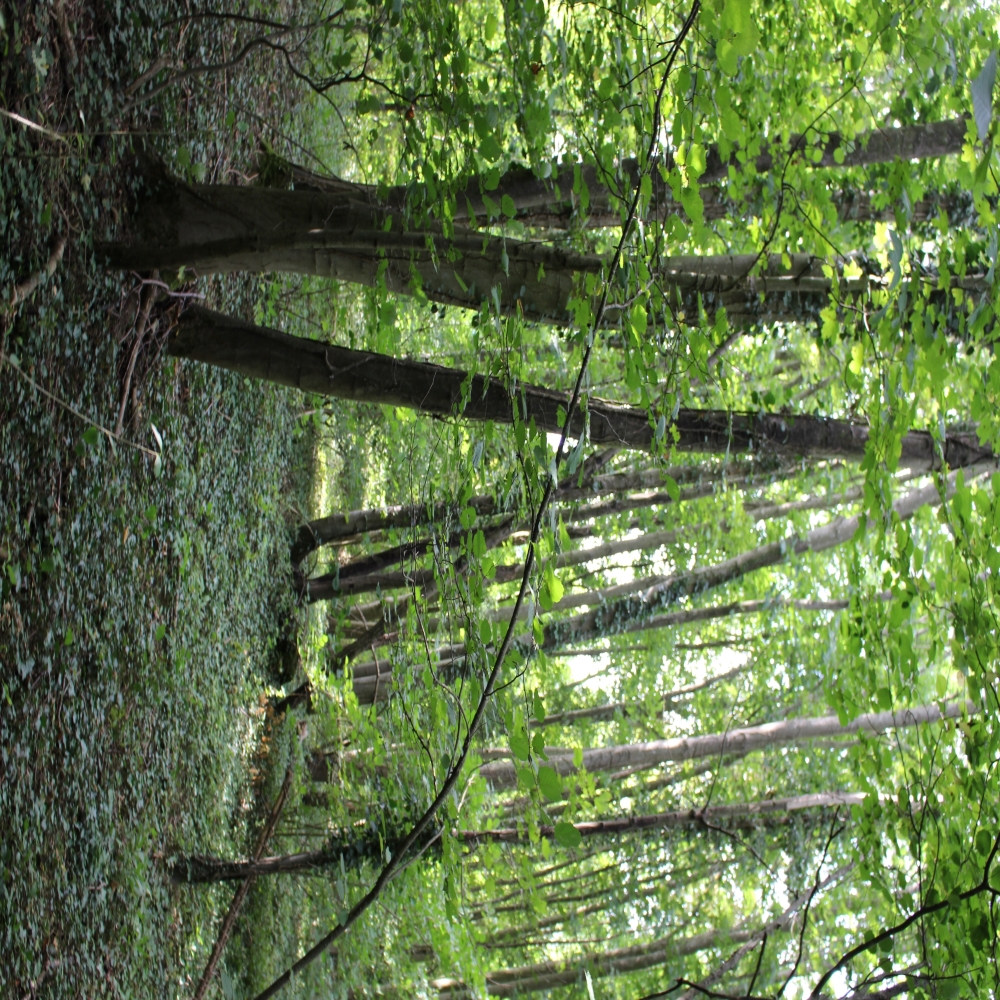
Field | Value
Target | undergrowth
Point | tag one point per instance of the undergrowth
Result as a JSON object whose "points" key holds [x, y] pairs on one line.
{"points": [[144, 600]]}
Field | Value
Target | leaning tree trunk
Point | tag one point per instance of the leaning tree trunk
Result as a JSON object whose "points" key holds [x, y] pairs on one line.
{"points": [[363, 376], [503, 773]]}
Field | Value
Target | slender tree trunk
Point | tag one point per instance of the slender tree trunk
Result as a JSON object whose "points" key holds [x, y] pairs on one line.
{"points": [[342, 584], [503, 773], [550, 975], [502, 937], [348, 527], [258, 352], [330, 585], [625, 607], [601, 713], [204, 869], [706, 818]]}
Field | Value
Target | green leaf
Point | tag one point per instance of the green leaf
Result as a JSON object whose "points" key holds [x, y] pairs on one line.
{"points": [[519, 745], [479, 544], [490, 27], [508, 207], [538, 745], [726, 54], [551, 785], [984, 842], [489, 149], [567, 835], [91, 436], [673, 490], [538, 708], [639, 319], [526, 778]]}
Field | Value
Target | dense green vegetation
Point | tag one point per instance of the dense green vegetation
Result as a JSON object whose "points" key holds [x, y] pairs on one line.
{"points": [[646, 646]]}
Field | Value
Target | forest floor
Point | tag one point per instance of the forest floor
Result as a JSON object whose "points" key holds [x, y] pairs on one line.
{"points": [[146, 580]]}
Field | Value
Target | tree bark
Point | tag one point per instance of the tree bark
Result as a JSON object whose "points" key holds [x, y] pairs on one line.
{"points": [[258, 352], [351, 526], [204, 869], [369, 574], [630, 607], [503, 773]]}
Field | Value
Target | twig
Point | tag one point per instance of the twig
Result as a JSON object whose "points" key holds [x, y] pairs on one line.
{"points": [[111, 435], [26, 287], [59, 13], [159, 63], [241, 894], [28, 123], [145, 305]]}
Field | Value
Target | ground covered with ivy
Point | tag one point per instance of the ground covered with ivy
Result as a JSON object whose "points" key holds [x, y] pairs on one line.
{"points": [[146, 581]]}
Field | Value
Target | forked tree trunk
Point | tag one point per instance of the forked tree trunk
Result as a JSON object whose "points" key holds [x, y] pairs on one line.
{"points": [[223, 229]]}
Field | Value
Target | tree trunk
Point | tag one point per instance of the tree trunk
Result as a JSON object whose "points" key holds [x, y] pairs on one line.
{"points": [[550, 975], [503, 773], [204, 869], [369, 574], [222, 229], [502, 937], [551, 202], [634, 602], [258, 352], [351, 526], [625, 607], [601, 713]]}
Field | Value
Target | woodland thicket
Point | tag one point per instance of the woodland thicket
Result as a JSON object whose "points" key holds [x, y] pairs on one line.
{"points": [[600, 598]]}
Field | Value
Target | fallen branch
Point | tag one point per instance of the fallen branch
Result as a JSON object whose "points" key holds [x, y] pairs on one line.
{"points": [[26, 287]]}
